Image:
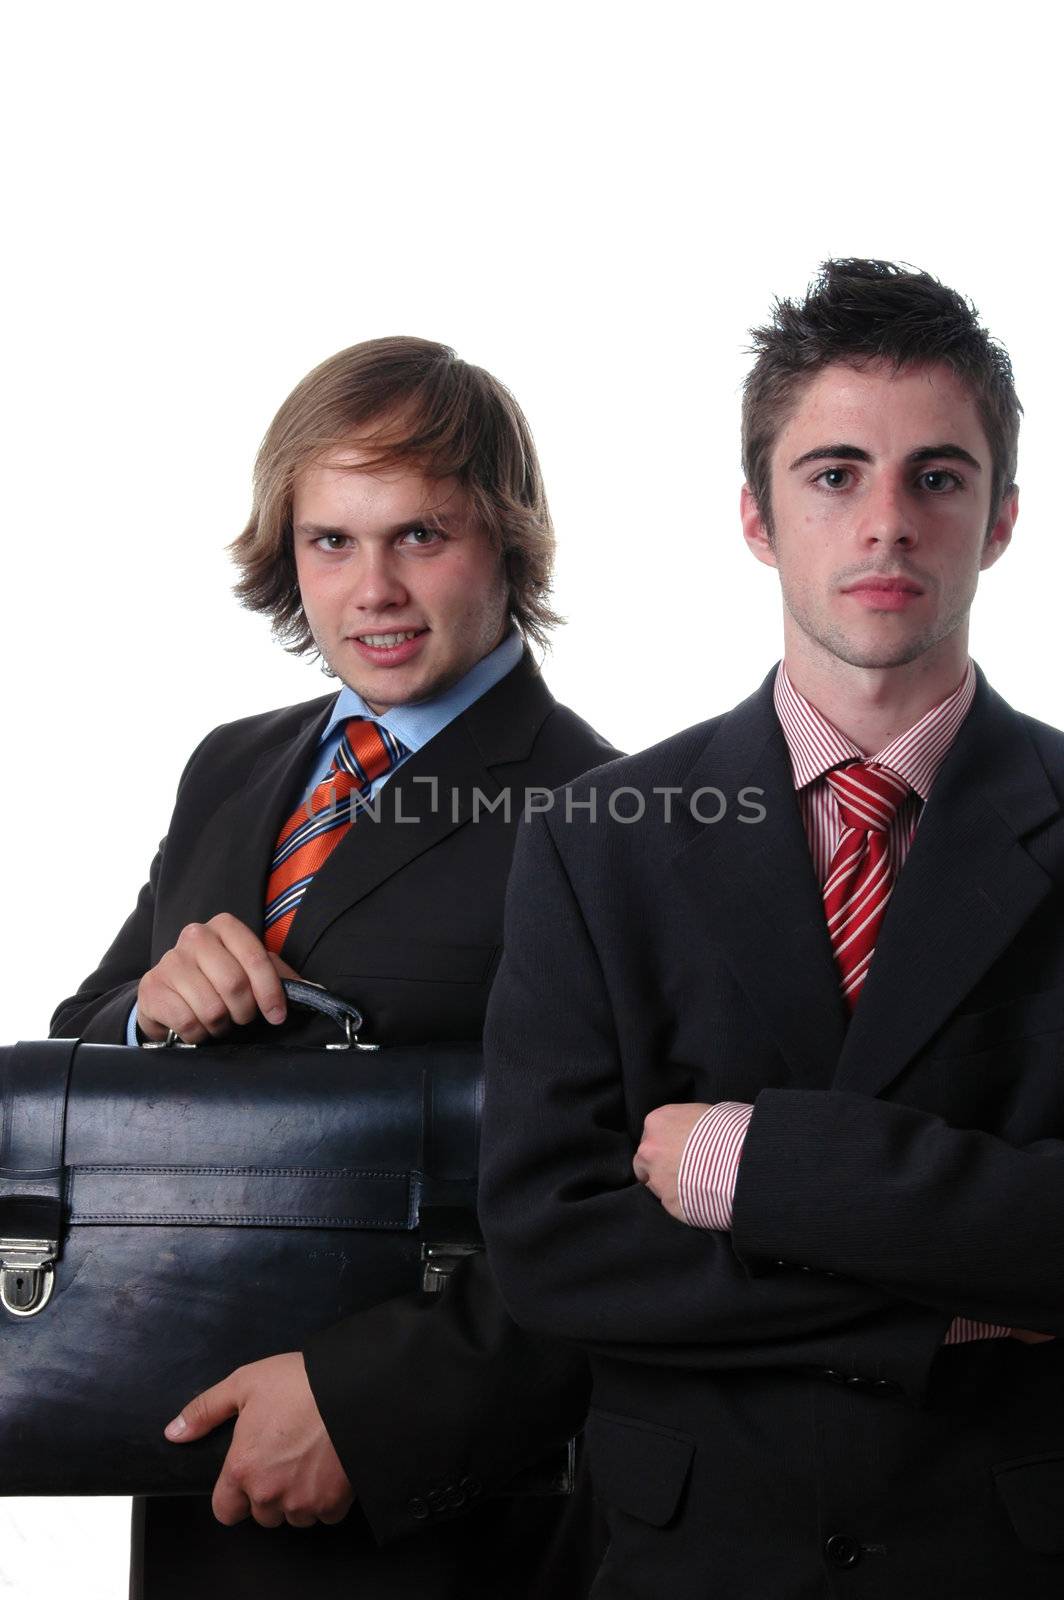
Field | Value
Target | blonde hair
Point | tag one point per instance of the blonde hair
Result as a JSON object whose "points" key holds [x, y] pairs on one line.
{"points": [[417, 402]]}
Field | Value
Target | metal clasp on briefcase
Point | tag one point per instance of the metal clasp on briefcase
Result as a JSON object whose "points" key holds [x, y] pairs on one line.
{"points": [[439, 1261], [26, 1274]]}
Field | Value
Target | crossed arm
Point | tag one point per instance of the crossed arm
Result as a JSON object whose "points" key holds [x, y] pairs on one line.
{"points": [[898, 1220]]}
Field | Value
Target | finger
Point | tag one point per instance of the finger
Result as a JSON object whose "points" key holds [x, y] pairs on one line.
{"points": [[644, 1172], [204, 1412], [162, 1006], [255, 960], [150, 1027], [228, 1502], [299, 1519], [337, 1513], [282, 969], [192, 1006], [267, 1514], [201, 956]]}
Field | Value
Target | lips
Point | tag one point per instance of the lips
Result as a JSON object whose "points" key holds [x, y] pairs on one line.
{"points": [[881, 585], [387, 641], [884, 594], [390, 647]]}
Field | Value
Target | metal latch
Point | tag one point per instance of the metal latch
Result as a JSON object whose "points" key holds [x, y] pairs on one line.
{"points": [[26, 1275], [440, 1260]]}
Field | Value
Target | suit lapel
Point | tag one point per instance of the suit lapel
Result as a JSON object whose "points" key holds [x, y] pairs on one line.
{"points": [[756, 892], [967, 888], [430, 796]]}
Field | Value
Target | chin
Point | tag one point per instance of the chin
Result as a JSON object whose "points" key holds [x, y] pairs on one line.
{"points": [[879, 657]]}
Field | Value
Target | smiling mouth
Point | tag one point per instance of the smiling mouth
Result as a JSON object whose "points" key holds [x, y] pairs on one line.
{"points": [[388, 641]]}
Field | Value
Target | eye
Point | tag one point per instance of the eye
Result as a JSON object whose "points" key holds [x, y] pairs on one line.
{"points": [[331, 541], [939, 481], [422, 536], [834, 477]]}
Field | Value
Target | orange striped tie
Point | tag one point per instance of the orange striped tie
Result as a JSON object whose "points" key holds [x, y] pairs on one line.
{"points": [[316, 827], [860, 879]]}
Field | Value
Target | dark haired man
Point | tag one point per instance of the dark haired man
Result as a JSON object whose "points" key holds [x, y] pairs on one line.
{"points": [[400, 529], [795, 1176]]}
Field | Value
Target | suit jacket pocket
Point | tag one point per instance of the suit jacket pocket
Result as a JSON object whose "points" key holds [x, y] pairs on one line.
{"points": [[1033, 1493], [636, 1466]]}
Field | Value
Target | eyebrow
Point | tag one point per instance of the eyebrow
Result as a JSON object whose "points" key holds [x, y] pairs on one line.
{"points": [[431, 519], [853, 452]]}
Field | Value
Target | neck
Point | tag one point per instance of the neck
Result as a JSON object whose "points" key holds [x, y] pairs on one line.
{"points": [[873, 706]]}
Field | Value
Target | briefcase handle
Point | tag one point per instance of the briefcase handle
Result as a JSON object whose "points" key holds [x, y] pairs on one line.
{"points": [[300, 992], [316, 997]]}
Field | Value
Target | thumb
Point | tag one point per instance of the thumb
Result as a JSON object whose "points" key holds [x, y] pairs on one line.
{"points": [[204, 1412]]}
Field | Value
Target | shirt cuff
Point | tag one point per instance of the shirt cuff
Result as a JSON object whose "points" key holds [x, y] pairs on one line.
{"points": [[709, 1165], [962, 1330], [131, 1027]]}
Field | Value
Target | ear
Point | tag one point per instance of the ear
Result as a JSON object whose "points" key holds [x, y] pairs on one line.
{"points": [[754, 530], [1000, 535]]}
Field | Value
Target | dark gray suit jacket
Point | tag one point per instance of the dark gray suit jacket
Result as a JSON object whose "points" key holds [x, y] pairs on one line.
{"points": [[773, 1411], [433, 1403]]}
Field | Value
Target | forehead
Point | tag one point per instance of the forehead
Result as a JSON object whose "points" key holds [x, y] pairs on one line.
{"points": [[884, 411], [351, 481]]}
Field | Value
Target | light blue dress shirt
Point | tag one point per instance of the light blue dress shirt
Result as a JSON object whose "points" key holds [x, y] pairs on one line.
{"points": [[414, 724]]}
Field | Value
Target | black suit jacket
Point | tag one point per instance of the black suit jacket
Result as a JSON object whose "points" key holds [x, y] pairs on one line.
{"points": [[773, 1410], [432, 1402]]}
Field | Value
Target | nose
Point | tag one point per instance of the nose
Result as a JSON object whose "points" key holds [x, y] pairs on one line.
{"points": [[888, 520], [378, 584]]}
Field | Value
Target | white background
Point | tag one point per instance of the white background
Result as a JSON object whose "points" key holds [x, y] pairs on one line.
{"points": [[593, 200]]}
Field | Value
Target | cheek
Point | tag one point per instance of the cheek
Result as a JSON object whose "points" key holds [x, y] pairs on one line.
{"points": [[474, 586]]}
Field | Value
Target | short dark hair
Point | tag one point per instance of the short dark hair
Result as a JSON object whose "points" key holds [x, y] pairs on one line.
{"points": [[410, 400], [856, 311]]}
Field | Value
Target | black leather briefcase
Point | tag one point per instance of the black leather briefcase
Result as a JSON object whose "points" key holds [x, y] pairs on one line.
{"points": [[165, 1218]]}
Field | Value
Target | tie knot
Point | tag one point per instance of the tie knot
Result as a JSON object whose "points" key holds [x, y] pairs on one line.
{"points": [[367, 750], [868, 796]]}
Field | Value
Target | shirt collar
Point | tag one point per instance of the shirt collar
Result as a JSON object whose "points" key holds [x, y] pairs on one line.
{"points": [[815, 746], [416, 724]]}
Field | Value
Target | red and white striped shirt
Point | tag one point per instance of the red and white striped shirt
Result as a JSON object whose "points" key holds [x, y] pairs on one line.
{"points": [[709, 1165]]}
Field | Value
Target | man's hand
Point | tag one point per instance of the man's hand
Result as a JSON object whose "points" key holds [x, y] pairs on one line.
{"points": [[657, 1161], [217, 973], [281, 1465]]}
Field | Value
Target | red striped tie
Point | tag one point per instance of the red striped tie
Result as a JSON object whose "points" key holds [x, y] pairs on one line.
{"points": [[860, 878], [316, 827]]}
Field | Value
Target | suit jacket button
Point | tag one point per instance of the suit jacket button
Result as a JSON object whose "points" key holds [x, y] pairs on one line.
{"points": [[417, 1508], [456, 1497], [842, 1550], [471, 1486], [858, 1383], [886, 1386], [437, 1501], [834, 1375]]}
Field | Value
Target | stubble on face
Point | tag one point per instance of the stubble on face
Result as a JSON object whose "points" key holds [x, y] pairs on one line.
{"points": [[883, 524], [893, 649]]}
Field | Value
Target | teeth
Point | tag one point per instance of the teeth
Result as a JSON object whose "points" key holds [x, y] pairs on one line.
{"points": [[385, 641]]}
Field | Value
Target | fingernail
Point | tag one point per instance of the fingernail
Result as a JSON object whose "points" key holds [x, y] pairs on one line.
{"points": [[276, 1015], [175, 1429]]}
